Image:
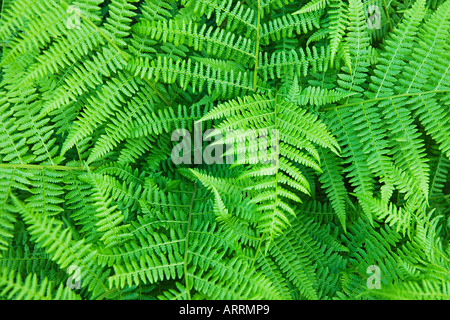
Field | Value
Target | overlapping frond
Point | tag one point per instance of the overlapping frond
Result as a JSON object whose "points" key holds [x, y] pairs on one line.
{"points": [[313, 137]]}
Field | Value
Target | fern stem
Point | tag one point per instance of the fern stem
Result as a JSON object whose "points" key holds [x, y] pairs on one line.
{"points": [[257, 250], [152, 85], [276, 175], [107, 293], [387, 14], [158, 221]]}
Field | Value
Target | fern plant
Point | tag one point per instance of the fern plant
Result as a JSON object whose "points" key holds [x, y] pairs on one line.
{"points": [[351, 98]]}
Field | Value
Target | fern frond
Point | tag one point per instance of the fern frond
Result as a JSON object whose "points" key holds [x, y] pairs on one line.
{"points": [[334, 184], [297, 130], [109, 220], [213, 41], [58, 243], [117, 24], [313, 5], [338, 22], [427, 290], [195, 74], [15, 288], [321, 149]]}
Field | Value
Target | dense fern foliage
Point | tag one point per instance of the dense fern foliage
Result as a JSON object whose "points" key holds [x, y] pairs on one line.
{"points": [[352, 202]]}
